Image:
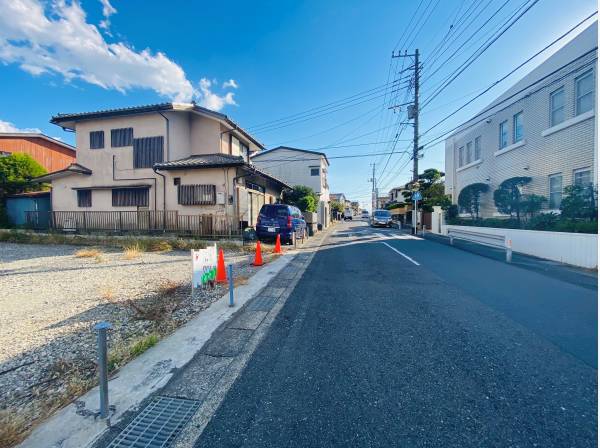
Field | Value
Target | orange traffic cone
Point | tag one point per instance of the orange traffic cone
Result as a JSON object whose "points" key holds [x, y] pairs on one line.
{"points": [[277, 245], [221, 272], [258, 261]]}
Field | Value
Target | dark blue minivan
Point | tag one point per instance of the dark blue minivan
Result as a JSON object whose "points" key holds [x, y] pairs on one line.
{"points": [[285, 220]]}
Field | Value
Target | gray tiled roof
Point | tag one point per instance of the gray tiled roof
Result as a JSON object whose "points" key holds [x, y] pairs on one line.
{"points": [[202, 161]]}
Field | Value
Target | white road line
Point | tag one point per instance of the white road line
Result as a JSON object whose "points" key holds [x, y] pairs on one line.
{"points": [[400, 253]]}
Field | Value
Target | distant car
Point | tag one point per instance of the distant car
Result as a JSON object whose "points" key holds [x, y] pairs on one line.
{"points": [[365, 214], [285, 220], [381, 218], [348, 214]]}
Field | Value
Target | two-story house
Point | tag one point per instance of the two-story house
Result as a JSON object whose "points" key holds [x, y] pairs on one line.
{"points": [[175, 157], [299, 167], [544, 128]]}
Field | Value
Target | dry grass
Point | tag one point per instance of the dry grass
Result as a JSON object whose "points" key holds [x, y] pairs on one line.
{"points": [[108, 294], [132, 252], [12, 428], [100, 258], [88, 253], [159, 306]]}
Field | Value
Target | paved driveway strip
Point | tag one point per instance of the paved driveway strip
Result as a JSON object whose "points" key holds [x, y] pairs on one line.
{"points": [[372, 350]]}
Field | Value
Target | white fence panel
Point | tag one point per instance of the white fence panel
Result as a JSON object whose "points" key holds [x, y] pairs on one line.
{"points": [[577, 249]]}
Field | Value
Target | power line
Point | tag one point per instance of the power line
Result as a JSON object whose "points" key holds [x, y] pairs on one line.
{"points": [[504, 100], [478, 53], [511, 72]]}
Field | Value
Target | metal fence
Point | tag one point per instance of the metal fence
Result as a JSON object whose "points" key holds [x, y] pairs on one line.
{"points": [[143, 221]]}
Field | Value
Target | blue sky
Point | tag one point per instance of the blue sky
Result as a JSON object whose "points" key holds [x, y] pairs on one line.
{"points": [[284, 57]]}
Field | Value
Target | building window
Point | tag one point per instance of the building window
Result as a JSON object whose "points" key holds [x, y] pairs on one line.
{"points": [[245, 151], [557, 106], [84, 198], [461, 156], [147, 151], [582, 177], [469, 152], [197, 194], [477, 148], [584, 93], [130, 197], [517, 127], [503, 134], [314, 171], [555, 188], [121, 137], [96, 139]]}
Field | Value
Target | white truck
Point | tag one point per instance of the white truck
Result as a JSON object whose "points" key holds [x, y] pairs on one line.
{"points": [[348, 214]]}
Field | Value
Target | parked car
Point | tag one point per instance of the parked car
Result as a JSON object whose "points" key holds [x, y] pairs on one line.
{"points": [[365, 214], [381, 218], [348, 214], [285, 220]]}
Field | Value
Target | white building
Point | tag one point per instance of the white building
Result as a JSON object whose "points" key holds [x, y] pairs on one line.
{"points": [[299, 167], [544, 127]]}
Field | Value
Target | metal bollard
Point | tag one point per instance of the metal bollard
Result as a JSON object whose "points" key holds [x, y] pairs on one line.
{"points": [[101, 328], [451, 241], [508, 251], [230, 275]]}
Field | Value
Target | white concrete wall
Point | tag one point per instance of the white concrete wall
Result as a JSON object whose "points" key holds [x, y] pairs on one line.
{"points": [[577, 249]]}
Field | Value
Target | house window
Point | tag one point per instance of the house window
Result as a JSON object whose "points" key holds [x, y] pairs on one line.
{"points": [[461, 156], [130, 197], [245, 151], [584, 93], [469, 152], [84, 198], [517, 127], [197, 194], [477, 148], [582, 177], [147, 151], [555, 188], [557, 106], [314, 171], [96, 139], [121, 137], [503, 134]]}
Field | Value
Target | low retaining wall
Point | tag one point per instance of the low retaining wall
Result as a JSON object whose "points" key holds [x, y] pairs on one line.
{"points": [[577, 249]]}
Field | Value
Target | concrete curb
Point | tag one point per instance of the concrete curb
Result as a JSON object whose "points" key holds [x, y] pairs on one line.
{"points": [[147, 373]]}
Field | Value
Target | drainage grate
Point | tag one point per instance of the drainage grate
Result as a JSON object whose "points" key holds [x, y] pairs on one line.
{"points": [[157, 425], [262, 303]]}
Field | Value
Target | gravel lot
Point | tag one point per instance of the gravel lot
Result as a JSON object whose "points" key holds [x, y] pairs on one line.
{"points": [[50, 300]]}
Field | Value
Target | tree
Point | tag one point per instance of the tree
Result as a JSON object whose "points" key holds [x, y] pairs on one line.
{"points": [[431, 186], [337, 206], [508, 197], [531, 204], [579, 202], [302, 197], [469, 198], [16, 171]]}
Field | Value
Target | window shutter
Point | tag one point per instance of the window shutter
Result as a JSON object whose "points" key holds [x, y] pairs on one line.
{"points": [[121, 137], [196, 194], [147, 151], [130, 197], [96, 139]]}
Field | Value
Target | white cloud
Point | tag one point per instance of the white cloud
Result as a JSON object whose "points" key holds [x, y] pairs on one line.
{"points": [[231, 83], [107, 11], [61, 41], [211, 100], [8, 127]]}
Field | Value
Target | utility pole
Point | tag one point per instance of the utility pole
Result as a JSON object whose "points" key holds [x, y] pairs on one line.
{"points": [[413, 113], [373, 190]]}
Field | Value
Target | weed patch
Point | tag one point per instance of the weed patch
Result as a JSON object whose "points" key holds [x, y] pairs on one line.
{"points": [[88, 253]]}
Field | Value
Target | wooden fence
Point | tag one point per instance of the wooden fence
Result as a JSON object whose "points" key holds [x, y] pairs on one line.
{"points": [[143, 222]]}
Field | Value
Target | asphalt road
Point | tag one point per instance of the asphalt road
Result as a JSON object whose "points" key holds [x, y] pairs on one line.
{"points": [[390, 341]]}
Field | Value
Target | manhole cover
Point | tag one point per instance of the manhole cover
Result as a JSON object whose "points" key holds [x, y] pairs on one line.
{"points": [[157, 425]]}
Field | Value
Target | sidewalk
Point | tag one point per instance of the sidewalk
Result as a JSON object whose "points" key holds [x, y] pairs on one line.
{"points": [[203, 382]]}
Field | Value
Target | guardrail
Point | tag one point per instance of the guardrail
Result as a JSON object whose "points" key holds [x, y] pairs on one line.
{"points": [[498, 241]]}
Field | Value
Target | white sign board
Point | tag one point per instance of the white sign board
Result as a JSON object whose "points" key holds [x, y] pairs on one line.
{"points": [[204, 266]]}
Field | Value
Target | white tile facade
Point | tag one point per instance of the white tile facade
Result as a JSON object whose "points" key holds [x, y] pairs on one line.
{"points": [[544, 150]]}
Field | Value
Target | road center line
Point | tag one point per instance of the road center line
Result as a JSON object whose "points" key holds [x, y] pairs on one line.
{"points": [[400, 253]]}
